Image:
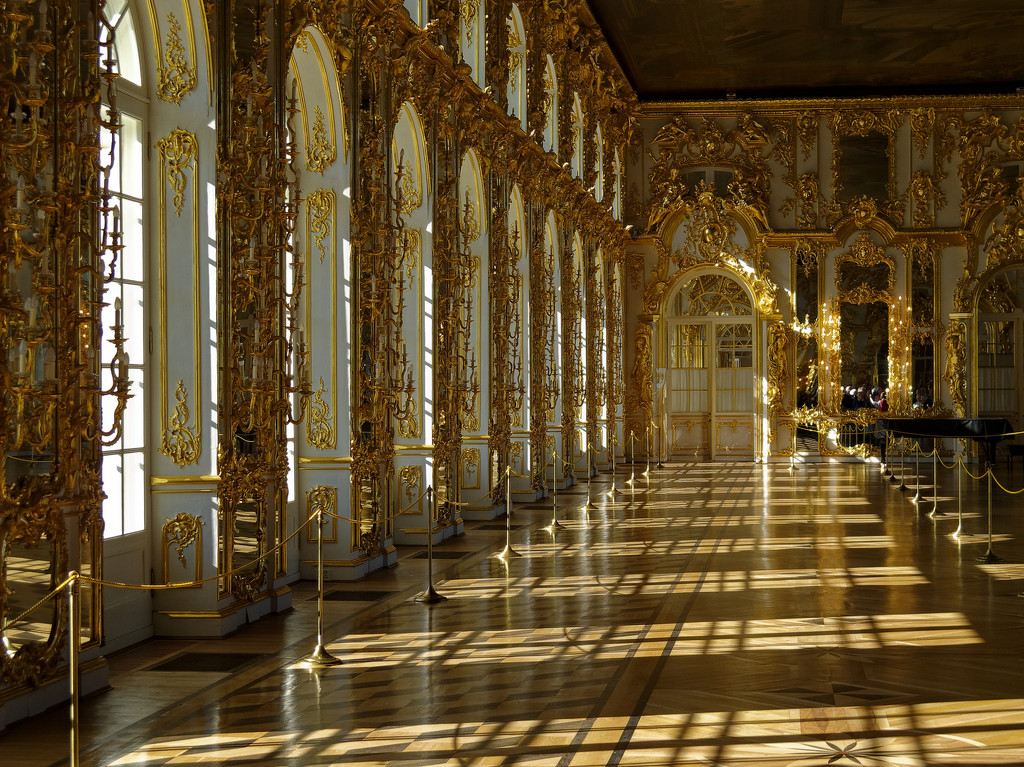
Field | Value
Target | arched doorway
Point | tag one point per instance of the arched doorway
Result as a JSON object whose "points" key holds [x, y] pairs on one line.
{"points": [[708, 397], [1000, 337]]}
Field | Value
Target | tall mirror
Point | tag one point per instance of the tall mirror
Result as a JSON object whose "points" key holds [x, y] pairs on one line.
{"points": [[31, 561], [243, 541], [864, 167], [806, 310], [865, 283]]}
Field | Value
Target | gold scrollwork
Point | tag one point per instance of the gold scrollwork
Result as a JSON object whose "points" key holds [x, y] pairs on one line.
{"points": [[470, 468], [319, 430], [411, 478], [176, 77], [321, 152], [321, 205], [955, 373], [177, 150], [409, 423], [181, 443], [181, 532], [322, 499]]}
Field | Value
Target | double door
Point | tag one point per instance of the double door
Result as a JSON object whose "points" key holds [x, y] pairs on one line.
{"points": [[709, 401]]}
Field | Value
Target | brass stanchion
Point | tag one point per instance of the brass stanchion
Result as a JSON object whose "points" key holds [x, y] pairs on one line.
{"points": [[903, 455], [892, 463], [614, 491], [661, 439], [917, 472], [632, 462], [959, 498], [935, 485], [648, 472], [555, 524], [320, 657], [989, 556], [429, 595], [590, 470], [74, 641], [508, 552]]}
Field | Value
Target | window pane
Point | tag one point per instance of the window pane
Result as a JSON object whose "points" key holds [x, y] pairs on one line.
{"points": [[131, 139], [134, 493], [134, 319], [127, 43], [134, 414], [130, 259], [113, 476]]}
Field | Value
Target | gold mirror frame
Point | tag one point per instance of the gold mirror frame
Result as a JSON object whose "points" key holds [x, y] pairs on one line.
{"points": [[34, 661], [247, 496]]}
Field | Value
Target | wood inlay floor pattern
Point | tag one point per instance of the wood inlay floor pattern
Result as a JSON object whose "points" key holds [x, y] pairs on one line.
{"points": [[727, 614]]}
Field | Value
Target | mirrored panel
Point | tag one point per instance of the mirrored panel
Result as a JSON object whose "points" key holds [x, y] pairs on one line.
{"points": [[864, 167], [864, 350]]}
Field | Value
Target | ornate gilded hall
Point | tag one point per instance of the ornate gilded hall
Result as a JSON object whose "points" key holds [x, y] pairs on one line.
{"points": [[511, 381]]}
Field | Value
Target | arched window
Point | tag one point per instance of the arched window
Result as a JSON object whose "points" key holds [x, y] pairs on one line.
{"points": [[516, 66], [417, 11], [577, 136], [124, 463], [551, 107], [617, 200], [473, 38]]}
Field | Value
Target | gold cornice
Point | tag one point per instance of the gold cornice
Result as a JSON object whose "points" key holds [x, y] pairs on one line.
{"points": [[794, 107], [786, 239], [184, 480]]}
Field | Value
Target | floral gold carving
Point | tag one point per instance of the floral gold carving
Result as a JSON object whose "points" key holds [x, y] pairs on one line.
{"points": [[321, 152], [176, 77], [319, 429], [411, 478], [320, 205], [177, 151], [181, 532], [955, 374], [180, 442]]}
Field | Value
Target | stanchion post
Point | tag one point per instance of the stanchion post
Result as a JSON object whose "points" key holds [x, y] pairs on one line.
{"points": [[555, 524], [508, 552], [429, 595], [917, 471], [632, 456], [903, 456], [648, 472], [614, 442], [74, 642], [590, 469], [320, 657], [959, 497], [989, 557], [661, 438], [935, 484]]}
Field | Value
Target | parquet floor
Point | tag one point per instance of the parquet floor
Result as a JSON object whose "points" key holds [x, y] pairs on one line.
{"points": [[725, 614]]}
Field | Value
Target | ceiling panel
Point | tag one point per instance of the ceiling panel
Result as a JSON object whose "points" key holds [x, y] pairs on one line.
{"points": [[706, 49]]}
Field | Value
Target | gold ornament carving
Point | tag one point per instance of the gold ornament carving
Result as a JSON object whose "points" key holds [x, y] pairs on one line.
{"points": [[178, 150], [180, 442], [411, 478], [955, 373], [319, 425], [322, 506], [176, 77], [321, 152], [926, 197], [320, 206], [922, 124], [181, 532], [409, 423]]}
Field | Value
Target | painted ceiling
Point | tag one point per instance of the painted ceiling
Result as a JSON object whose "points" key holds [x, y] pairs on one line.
{"points": [[771, 49]]}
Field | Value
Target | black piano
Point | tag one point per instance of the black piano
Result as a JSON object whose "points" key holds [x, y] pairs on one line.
{"points": [[988, 431]]}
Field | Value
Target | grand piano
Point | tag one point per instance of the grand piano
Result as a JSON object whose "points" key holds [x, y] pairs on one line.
{"points": [[987, 431]]}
